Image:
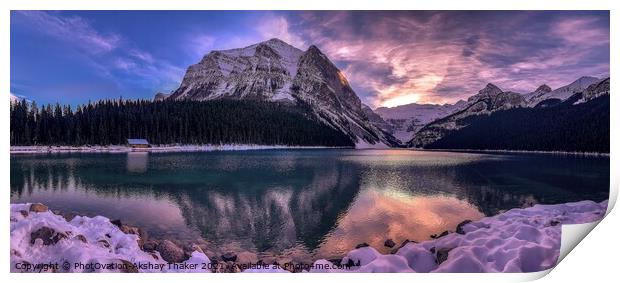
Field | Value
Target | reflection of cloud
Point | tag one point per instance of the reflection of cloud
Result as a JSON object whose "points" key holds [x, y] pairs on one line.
{"points": [[375, 217]]}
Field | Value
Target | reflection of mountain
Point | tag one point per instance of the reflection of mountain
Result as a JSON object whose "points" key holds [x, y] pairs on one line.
{"points": [[325, 201]]}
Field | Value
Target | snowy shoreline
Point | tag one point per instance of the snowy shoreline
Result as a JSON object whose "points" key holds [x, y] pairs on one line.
{"points": [[154, 148], [519, 240], [576, 153]]}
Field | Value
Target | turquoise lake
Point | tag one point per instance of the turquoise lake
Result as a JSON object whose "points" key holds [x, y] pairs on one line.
{"points": [[303, 204]]}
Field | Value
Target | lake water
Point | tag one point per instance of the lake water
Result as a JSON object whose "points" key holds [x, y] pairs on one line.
{"points": [[301, 204]]}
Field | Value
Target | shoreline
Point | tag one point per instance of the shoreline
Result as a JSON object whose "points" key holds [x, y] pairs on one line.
{"points": [[574, 153], [44, 149], [492, 244], [155, 148]]}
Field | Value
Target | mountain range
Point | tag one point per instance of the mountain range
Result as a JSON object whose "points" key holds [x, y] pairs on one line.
{"points": [[274, 71], [419, 125]]}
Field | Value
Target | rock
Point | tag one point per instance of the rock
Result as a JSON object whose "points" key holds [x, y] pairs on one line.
{"points": [[459, 227], [170, 252], [81, 238], [48, 235], [149, 246], [104, 243], [128, 267], [229, 256], [435, 236], [24, 213], [247, 258], [362, 245], [117, 223], [389, 243], [442, 255], [38, 207]]}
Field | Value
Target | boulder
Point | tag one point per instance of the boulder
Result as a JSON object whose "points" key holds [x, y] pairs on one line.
{"points": [[128, 267], [48, 235], [149, 246], [247, 258], [229, 256], [170, 252], [442, 255], [38, 207], [459, 227]]}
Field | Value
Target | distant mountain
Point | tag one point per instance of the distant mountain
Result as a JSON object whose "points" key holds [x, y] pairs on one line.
{"points": [[494, 119], [489, 99], [278, 72], [582, 127], [404, 120], [564, 92]]}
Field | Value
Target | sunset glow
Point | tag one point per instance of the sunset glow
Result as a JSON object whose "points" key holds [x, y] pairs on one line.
{"points": [[389, 58]]}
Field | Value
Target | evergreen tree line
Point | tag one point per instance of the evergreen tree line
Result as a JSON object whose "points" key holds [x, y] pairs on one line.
{"points": [[582, 127], [112, 122]]}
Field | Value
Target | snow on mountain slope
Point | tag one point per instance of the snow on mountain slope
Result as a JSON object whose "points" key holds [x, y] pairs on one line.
{"points": [[492, 98], [276, 71], [264, 70], [596, 89], [564, 92], [489, 99], [404, 120]]}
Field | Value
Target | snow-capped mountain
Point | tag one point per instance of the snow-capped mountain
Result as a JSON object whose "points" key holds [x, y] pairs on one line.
{"points": [[276, 71], [562, 93], [492, 98], [596, 89], [404, 120], [489, 99]]}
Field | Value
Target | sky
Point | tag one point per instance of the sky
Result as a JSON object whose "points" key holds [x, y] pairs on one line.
{"points": [[390, 58]]}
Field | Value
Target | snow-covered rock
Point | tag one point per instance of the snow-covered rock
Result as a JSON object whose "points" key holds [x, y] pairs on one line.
{"points": [[519, 240], [83, 244], [276, 71]]}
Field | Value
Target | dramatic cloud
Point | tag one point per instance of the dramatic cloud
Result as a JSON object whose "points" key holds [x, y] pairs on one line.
{"points": [[394, 58], [389, 57]]}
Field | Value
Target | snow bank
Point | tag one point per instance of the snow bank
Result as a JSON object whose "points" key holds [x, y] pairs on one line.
{"points": [[44, 241], [519, 240]]}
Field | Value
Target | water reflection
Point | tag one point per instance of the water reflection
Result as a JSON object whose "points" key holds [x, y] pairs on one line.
{"points": [[137, 162], [303, 204]]}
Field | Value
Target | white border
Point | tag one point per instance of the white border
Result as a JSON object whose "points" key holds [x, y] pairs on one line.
{"points": [[600, 253]]}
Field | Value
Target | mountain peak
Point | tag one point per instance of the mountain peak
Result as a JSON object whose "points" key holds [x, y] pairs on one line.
{"points": [[543, 89], [490, 89]]}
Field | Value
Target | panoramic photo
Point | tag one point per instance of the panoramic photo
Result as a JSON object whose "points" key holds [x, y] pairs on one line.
{"points": [[305, 141]]}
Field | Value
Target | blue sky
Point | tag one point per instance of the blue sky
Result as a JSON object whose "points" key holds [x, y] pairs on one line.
{"points": [[390, 58]]}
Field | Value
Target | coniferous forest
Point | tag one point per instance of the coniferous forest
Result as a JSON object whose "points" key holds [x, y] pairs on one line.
{"points": [[581, 127], [112, 122]]}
